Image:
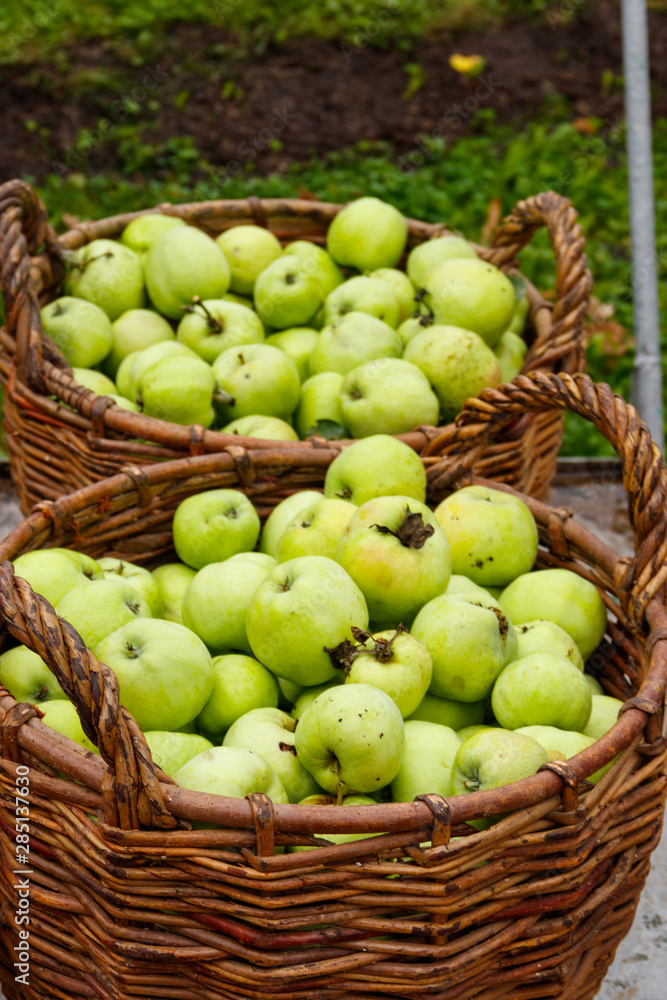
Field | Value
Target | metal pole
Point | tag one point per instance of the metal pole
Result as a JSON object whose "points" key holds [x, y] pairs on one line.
{"points": [[646, 386]]}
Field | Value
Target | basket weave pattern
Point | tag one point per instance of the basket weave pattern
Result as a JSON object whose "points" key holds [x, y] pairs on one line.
{"points": [[54, 450], [127, 901]]}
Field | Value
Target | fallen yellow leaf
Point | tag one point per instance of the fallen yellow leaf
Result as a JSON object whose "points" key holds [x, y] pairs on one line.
{"points": [[467, 65]]}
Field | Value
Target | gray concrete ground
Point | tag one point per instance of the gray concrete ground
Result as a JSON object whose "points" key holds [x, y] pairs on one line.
{"points": [[639, 970]]}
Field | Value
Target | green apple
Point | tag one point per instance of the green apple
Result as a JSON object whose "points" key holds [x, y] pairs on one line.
{"points": [[321, 264], [140, 233], [135, 330], [137, 363], [511, 352], [604, 715], [270, 733], [100, 607], [493, 535], [181, 263], [288, 693], [260, 426], [164, 672], [351, 340], [594, 685], [560, 596], [521, 310], [308, 694], [396, 553], [300, 610], [471, 642], [409, 329], [297, 344], [231, 771], [376, 466], [80, 330], [367, 234], [125, 404], [27, 676], [248, 249], [319, 406], [387, 396], [334, 838], [493, 757], [393, 661], [259, 379], [561, 742], [423, 258], [179, 389], [240, 300], [471, 730], [446, 712], [108, 274], [316, 530], [54, 572], [471, 294], [351, 739], [94, 380], [170, 751], [287, 293], [141, 579], [457, 363], [282, 514], [240, 685], [215, 603], [402, 288], [427, 761], [370, 296], [462, 585], [173, 579], [212, 526], [542, 635], [214, 326], [542, 689], [62, 716]]}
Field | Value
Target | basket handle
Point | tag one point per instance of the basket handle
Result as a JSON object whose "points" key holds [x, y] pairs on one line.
{"points": [[566, 337], [644, 476]]}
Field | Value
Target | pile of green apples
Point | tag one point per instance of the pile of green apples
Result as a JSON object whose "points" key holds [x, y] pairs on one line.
{"points": [[241, 334], [359, 648]]}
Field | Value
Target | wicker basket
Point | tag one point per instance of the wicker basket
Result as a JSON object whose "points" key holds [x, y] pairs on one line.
{"points": [[127, 901], [54, 449]]}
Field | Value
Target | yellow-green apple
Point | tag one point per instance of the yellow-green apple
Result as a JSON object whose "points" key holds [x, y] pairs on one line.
{"points": [[511, 352], [349, 341], [248, 249], [447, 712], [423, 258], [316, 530], [214, 326], [140, 233], [62, 716], [462, 585], [561, 742], [138, 577], [179, 389], [287, 293], [183, 262], [471, 641], [98, 608], [393, 661], [472, 294], [308, 694], [319, 406], [387, 396], [521, 309], [594, 685], [164, 672], [215, 603], [54, 572], [370, 296], [367, 234], [334, 838], [282, 514], [402, 288], [471, 730], [537, 635], [409, 328], [240, 684], [351, 739], [493, 536], [135, 364], [259, 379], [397, 554], [80, 330], [135, 330], [457, 363], [297, 344], [604, 715], [560, 596], [94, 380], [108, 274], [376, 466], [494, 757], [303, 608], [321, 265], [261, 426], [170, 751], [288, 693], [270, 733], [25, 674], [212, 526], [173, 579], [231, 771], [427, 761], [542, 689]]}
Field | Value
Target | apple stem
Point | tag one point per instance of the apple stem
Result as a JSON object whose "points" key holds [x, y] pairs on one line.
{"points": [[81, 265], [384, 647], [472, 784], [412, 532], [214, 325], [222, 397]]}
